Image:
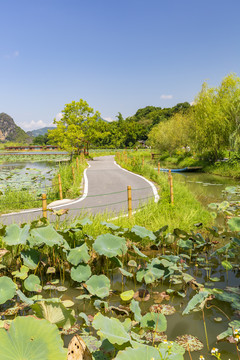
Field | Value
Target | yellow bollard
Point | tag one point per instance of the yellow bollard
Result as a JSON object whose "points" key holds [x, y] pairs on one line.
{"points": [[171, 188], [158, 167], [60, 186], [129, 194], [44, 205]]}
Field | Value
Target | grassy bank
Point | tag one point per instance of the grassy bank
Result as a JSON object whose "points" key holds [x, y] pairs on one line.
{"points": [[228, 168]]}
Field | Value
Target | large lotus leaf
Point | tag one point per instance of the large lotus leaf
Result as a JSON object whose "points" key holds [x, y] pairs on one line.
{"points": [[140, 232], [78, 255], [196, 302], [98, 285], [54, 312], [30, 258], [45, 235], [145, 352], [30, 338], [110, 245], [16, 235], [135, 308], [111, 329], [156, 321], [81, 273], [234, 224], [7, 289], [32, 283]]}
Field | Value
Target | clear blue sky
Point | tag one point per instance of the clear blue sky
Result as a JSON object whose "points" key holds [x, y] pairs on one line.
{"points": [[118, 55]]}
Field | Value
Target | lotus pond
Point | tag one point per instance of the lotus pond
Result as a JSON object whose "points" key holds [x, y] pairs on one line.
{"points": [[24, 175], [176, 300]]}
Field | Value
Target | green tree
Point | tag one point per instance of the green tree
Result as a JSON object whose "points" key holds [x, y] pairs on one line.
{"points": [[216, 117], [77, 126]]}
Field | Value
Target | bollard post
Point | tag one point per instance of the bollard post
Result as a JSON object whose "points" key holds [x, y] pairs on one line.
{"points": [[77, 164], [60, 186], [158, 167], [169, 174], [171, 188], [44, 205], [129, 195], [73, 173]]}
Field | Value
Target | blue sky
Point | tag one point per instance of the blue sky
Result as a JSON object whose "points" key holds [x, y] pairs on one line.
{"points": [[118, 55]]}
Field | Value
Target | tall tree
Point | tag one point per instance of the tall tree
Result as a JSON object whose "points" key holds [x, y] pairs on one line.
{"points": [[77, 126]]}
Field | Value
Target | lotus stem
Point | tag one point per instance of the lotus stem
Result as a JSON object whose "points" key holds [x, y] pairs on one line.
{"points": [[205, 329], [189, 353], [209, 307]]}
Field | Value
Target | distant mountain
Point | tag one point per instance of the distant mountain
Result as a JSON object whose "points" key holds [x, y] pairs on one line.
{"points": [[41, 131], [9, 131]]}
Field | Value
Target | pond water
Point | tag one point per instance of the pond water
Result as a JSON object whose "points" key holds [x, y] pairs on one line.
{"points": [[25, 174], [207, 187]]}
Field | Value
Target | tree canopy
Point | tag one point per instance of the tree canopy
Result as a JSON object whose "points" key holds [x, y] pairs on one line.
{"points": [[76, 126]]}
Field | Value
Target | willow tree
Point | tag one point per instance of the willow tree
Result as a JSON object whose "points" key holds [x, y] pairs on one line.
{"points": [[172, 134], [217, 115], [77, 125]]}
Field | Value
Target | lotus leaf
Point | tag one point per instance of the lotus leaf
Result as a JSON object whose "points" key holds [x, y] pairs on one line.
{"points": [[81, 273], [16, 235], [227, 265], [197, 302], [30, 258], [22, 274], [135, 308], [145, 352], [7, 289], [189, 342], [125, 273], [111, 329], [139, 253], [132, 263], [78, 255], [110, 245], [154, 321], [233, 325], [110, 225], [98, 285], [100, 304], [127, 295], [22, 297], [32, 283], [77, 349], [234, 224], [30, 338], [45, 235], [141, 232], [54, 312]]}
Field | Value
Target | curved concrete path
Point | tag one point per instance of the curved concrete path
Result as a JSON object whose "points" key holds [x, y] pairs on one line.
{"points": [[105, 189]]}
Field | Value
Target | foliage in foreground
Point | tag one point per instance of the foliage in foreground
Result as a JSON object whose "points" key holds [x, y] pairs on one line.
{"points": [[38, 251]]}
